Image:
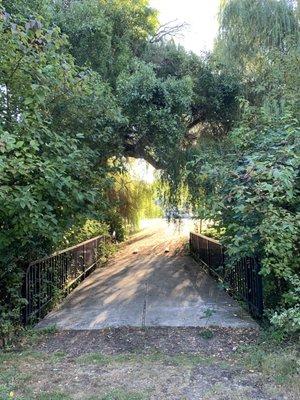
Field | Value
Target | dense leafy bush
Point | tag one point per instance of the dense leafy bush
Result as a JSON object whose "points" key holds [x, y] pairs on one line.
{"points": [[87, 230], [48, 170], [249, 182]]}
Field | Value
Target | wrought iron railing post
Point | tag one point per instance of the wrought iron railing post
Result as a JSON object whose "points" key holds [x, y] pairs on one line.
{"points": [[260, 293], [60, 271], [24, 295], [248, 279], [83, 259], [222, 265], [244, 277]]}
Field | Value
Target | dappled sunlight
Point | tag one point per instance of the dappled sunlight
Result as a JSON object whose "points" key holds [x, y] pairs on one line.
{"points": [[181, 286], [148, 287], [170, 228], [101, 318]]}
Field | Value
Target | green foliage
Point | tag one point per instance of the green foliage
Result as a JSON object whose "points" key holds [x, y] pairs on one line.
{"points": [[249, 182], [213, 232], [214, 90], [162, 90], [274, 22], [106, 35], [89, 229], [254, 195], [288, 321], [262, 53], [27, 8], [155, 108], [135, 200], [49, 170]]}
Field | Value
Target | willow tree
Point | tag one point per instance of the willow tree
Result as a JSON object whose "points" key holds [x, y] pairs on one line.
{"points": [[259, 40], [248, 27], [135, 200], [249, 182]]}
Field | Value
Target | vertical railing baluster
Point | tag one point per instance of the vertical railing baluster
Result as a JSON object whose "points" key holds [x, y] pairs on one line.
{"points": [[243, 276], [43, 276], [83, 259]]}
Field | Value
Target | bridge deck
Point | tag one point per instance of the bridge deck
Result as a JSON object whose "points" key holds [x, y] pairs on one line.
{"points": [[145, 286]]}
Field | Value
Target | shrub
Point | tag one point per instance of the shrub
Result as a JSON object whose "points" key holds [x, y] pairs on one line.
{"points": [[87, 230]]}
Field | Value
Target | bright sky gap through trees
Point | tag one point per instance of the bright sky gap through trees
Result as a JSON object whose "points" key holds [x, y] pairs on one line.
{"points": [[201, 17]]}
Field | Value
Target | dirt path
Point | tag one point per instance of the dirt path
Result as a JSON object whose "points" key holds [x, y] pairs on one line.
{"points": [[150, 282]]}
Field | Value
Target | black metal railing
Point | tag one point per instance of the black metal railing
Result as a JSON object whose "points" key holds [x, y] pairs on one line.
{"points": [[241, 277], [54, 276]]}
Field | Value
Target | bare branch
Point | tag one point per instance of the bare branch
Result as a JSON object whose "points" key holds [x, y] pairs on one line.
{"points": [[168, 30]]}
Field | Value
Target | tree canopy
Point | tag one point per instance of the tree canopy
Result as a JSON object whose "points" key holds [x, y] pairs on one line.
{"points": [[249, 181], [86, 83]]}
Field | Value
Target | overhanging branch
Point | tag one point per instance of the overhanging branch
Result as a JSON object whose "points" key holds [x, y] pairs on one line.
{"points": [[138, 151]]}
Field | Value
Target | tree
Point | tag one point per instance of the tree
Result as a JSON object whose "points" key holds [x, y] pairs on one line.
{"points": [[249, 181], [115, 39], [263, 54], [105, 35], [49, 173]]}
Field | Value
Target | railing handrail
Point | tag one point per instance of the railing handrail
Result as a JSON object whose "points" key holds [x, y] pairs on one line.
{"points": [[243, 275], [62, 271], [57, 253], [207, 238]]}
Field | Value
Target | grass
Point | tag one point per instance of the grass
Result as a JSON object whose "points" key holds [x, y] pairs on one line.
{"points": [[28, 337], [178, 359], [17, 369], [119, 394], [29, 355], [53, 396], [281, 364], [10, 395], [12, 377], [274, 358], [21, 368]]}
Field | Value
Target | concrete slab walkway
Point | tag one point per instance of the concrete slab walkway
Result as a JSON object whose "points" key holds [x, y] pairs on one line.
{"points": [[143, 285]]}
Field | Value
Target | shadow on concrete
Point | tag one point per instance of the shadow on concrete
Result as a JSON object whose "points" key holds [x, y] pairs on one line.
{"points": [[150, 288]]}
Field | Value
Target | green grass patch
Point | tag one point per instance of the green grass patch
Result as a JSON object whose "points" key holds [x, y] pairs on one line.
{"points": [[17, 356], [28, 337], [274, 358], [53, 396], [282, 365], [9, 394], [119, 394], [17, 370], [154, 357], [206, 334]]}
